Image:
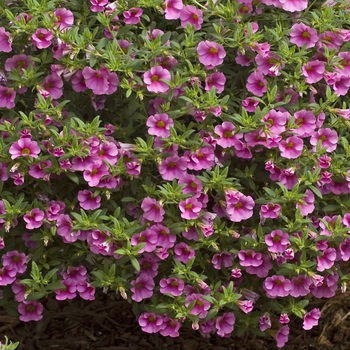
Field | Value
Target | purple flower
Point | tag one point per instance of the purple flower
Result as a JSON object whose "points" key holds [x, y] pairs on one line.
{"points": [[172, 168], [302, 34], [153, 79], [173, 286], [132, 16], [159, 125], [264, 322], [210, 54], [190, 14], [216, 80], [282, 336], [15, 261], [200, 305], [190, 208], [277, 241], [88, 201], [34, 219], [183, 252], [150, 323], [7, 97], [172, 9], [142, 288], [311, 319], [256, 84], [300, 286], [170, 327], [5, 41], [152, 209], [24, 147], [277, 286], [42, 38], [149, 237], [30, 311], [225, 324], [313, 71]]}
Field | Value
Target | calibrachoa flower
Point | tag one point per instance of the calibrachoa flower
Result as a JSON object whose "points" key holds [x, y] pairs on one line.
{"points": [[5, 42], [302, 34], [190, 208], [153, 79], [216, 80], [172, 168], [200, 305], [226, 136], [172, 9], [256, 84], [192, 15], [153, 211], [7, 97], [15, 261], [311, 319], [277, 286], [225, 324], [30, 311], [170, 327], [42, 38], [291, 148], [282, 336], [210, 54], [328, 138], [88, 201], [277, 241], [34, 219], [150, 323], [159, 125], [173, 286], [313, 71], [132, 16], [24, 147], [142, 288], [183, 252], [63, 18]]}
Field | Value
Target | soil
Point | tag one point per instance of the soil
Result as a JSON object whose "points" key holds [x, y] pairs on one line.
{"points": [[107, 324]]}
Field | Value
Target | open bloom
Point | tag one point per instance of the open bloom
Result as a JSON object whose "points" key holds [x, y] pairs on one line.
{"points": [[313, 71], [153, 79], [190, 208], [24, 147], [190, 14], [311, 319], [5, 42], [30, 311], [291, 148], [150, 323], [159, 125], [302, 34], [7, 97], [153, 211], [172, 9], [42, 38], [210, 54], [256, 84], [277, 241]]}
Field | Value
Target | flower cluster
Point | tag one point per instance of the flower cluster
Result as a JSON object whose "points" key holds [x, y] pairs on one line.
{"points": [[196, 163]]}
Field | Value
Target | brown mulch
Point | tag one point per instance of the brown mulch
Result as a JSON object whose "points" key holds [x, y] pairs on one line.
{"points": [[109, 324]]}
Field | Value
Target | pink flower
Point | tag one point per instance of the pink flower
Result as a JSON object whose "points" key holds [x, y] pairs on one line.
{"points": [[276, 121], [63, 18], [328, 138], [172, 9], [42, 38], [190, 14], [307, 204], [183, 252], [67, 292], [302, 34], [294, 5], [292, 147], [277, 286], [38, 170], [270, 210], [210, 54], [313, 71], [34, 218], [153, 211], [225, 131], [5, 41], [7, 275], [200, 307], [7, 97], [15, 260], [98, 5], [224, 259], [88, 201], [256, 84], [264, 322], [173, 286], [190, 208], [150, 323], [172, 168], [225, 324], [153, 77], [311, 319], [250, 104], [159, 125], [326, 260], [149, 237], [216, 80], [78, 82], [202, 158], [30, 311], [282, 336], [170, 328], [238, 206], [53, 85], [132, 16], [99, 81], [19, 62], [277, 241], [306, 123], [142, 288], [300, 286], [24, 147]]}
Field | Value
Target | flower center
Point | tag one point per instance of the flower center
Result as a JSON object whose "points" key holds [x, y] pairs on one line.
{"points": [[305, 35], [25, 151], [155, 78], [160, 124], [213, 50]]}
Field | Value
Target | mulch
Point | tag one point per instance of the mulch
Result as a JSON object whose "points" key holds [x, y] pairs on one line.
{"points": [[109, 324]]}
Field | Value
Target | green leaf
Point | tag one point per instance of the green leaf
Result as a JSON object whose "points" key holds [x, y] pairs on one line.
{"points": [[135, 263]]}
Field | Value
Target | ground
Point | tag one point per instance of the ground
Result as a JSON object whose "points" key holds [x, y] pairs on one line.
{"points": [[109, 324]]}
